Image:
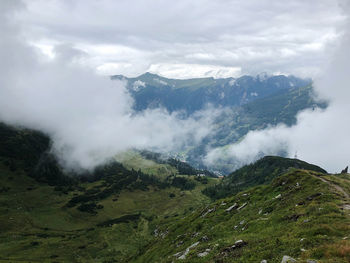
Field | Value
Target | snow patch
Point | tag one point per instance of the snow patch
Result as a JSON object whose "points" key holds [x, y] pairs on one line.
{"points": [[232, 82], [160, 81], [136, 86]]}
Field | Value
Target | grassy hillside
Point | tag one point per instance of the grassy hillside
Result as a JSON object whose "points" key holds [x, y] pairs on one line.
{"points": [[137, 213], [301, 214], [262, 171], [36, 225], [47, 215]]}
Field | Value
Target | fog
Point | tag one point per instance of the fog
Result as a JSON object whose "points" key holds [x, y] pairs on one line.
{"points": [[88, 117], [320, 136]]}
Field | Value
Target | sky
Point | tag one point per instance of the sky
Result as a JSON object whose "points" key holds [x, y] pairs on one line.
{"points": [[52, 55], [319, 136], [184, 39], [88, 117]]}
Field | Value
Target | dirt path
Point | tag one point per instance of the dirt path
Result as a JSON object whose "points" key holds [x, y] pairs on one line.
{"points": [[337, 187], [340, 189]]}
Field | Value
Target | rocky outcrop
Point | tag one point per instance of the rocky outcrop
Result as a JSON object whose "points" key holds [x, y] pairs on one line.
{"points": [[288, 259], [183, 254], [345, 171]]}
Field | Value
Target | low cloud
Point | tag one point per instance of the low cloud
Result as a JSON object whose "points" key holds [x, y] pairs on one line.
{"points": [[89, 117], [320, 136]]}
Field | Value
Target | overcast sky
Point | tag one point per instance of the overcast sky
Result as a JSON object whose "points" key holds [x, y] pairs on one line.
{"points": [[189, 38]]}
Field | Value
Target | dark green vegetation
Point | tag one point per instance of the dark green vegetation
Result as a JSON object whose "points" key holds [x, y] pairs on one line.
{"points": [[262, 171], [28, 150], [48, 215], [301, 214], [146, 211]]}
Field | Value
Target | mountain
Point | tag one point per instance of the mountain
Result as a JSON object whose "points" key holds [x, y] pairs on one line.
{"points": [[249, 103], [152, 91], [233, 124], [262, 171], [49, 214], [137, 211], [302, 216]]}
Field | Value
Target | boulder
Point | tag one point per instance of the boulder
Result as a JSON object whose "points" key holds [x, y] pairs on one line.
{"points": [[205, 239], [278, 196], [242, 206], [182, 255], [231, 207], [345, 171], [288, 259], [203, 254], [239, 243]]}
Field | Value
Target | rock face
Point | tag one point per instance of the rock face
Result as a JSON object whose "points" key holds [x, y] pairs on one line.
{"points": [[345, 171], [288, 259], [242, 206], [203, 254], [231, 207], [182, 255]]}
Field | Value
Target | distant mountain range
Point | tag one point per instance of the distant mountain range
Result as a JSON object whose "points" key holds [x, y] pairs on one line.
{"points": [[153, 91], [251, 103]]}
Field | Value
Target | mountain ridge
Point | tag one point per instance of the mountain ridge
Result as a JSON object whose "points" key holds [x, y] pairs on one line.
{"points": [[151, 91]]}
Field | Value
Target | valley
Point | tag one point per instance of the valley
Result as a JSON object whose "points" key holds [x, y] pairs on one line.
{"points": [[149, 212]]}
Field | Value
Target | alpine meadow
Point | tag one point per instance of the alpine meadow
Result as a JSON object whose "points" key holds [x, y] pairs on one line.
{"points": [[165, 132]]}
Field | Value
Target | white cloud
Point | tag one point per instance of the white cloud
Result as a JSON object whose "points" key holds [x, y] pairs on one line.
{"points": [[89, 117], [185, 71], [257, 35], [320, 136]]}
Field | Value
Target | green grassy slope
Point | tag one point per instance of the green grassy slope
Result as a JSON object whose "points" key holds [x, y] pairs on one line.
{"points": [[298, 214], [303, 214], [37, 226], [262, 171], [118, 214], [134, 160], [47, 216]]}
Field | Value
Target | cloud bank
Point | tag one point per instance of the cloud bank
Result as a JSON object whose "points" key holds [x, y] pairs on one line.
{"points": [[320, 136], [89, 117], [132, 37]]}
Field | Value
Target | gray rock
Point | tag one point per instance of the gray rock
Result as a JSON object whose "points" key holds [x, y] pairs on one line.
{"points": [[345, 171], [239, 243], [203, 254], [208, 211], [288, 259], [205, 239], [263, 261], [311, 261], [278, 196], [184, 254], [242, 206], [231, 207]]}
